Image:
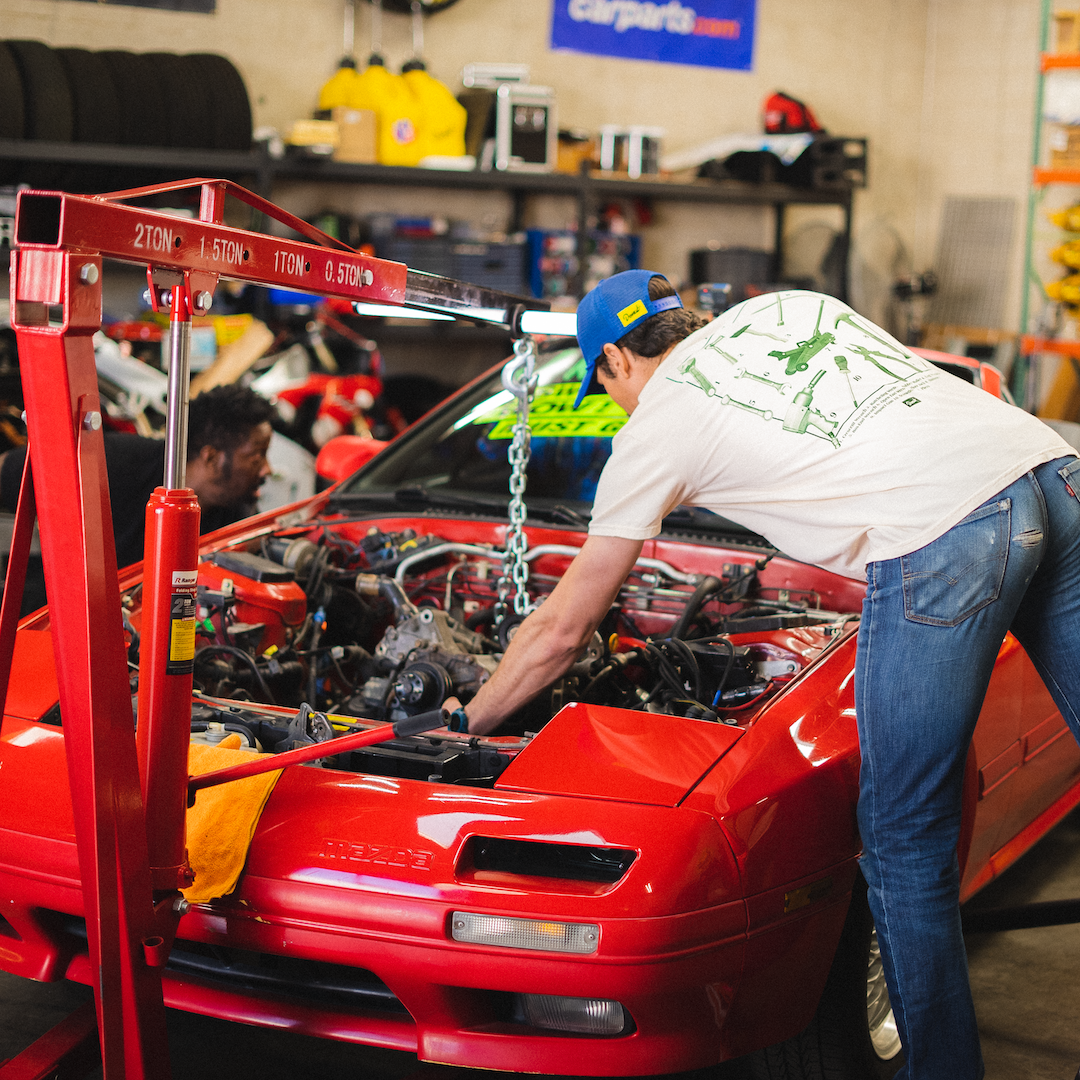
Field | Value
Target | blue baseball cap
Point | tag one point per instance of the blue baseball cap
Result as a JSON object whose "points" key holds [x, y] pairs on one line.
{"points": [[611, 310]]}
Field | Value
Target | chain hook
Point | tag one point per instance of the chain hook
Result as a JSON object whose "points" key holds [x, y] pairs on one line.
{"points": [[519, 376], [520, 379]]}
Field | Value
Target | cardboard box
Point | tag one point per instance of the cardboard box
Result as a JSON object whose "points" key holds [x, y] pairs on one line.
{"points": [[321, 134], [356, 135], [1063, 141], [1067, 31], [574, 151]]}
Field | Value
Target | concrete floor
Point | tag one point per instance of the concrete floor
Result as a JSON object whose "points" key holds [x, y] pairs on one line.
{"points": [[1026, 985]]}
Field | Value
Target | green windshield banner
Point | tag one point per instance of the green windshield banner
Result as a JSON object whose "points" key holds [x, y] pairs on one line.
{"points": [[552, 414]]}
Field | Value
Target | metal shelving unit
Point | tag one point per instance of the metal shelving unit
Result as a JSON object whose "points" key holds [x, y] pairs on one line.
{"points": [[261, 172], [1036, 337]]}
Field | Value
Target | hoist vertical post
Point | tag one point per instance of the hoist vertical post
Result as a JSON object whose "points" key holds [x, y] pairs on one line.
{"points": [[56, 308], [167, 641], [176, 418]]}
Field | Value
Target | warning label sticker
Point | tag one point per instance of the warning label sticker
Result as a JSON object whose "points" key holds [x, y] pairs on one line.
{"points": [[182, 611]]}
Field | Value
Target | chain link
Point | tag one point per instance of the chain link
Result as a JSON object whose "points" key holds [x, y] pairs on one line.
{"points": [[519, 377]]}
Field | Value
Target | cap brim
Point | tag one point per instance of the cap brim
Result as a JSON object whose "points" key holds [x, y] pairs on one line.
{"points": [[589, 385]]}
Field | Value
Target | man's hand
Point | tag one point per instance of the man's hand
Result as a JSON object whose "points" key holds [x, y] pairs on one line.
{"points": [[557, 633]]}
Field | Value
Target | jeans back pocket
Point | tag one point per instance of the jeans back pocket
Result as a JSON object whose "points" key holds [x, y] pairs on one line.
{"points": [[1071, 475], [961, 571]]}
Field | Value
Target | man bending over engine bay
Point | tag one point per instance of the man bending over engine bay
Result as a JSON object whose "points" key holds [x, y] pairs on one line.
{"points": [[801, 420]]}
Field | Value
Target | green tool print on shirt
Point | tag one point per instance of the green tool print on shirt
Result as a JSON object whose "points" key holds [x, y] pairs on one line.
{"points": [[858, 370]]}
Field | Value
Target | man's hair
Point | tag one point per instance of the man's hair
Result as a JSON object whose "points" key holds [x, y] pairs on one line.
{"points": [[223, 417], [659, 332]]}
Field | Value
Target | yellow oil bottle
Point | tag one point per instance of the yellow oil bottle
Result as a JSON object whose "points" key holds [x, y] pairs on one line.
{"points": [[442, 126]]}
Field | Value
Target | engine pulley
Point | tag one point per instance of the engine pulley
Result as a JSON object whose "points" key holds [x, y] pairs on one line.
{"points": [[422, 685]]}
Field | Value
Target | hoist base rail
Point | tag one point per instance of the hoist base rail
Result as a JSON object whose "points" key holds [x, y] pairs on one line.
{"points": [[68, 1051], [1022, 917]]}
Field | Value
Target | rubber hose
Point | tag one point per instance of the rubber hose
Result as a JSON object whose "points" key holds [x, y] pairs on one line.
{"points": [[232, 650], [706, 587]]}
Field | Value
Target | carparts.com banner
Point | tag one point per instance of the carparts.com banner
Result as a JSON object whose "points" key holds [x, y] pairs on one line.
{"points": [[706, 33]]}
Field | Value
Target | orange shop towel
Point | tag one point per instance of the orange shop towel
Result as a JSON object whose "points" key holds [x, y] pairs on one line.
{"points": [[222, 822]]}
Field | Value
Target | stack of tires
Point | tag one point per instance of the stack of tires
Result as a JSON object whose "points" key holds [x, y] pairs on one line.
{"points": [[117, 98]]}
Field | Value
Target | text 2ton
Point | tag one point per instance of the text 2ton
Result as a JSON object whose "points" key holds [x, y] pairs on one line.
{"points": [[154, 237]]}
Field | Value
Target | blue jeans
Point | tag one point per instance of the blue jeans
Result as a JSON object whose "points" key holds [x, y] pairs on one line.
{"points": [[932, 624]]}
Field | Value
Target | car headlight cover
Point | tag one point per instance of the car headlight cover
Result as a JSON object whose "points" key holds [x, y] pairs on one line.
{"points": [[542, 934], [581, 1016]]}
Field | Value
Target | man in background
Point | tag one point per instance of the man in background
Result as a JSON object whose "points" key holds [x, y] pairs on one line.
{"points": [[228, 437]]}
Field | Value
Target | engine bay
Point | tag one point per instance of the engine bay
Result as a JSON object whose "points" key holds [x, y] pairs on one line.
{"points": [[322, 624]]}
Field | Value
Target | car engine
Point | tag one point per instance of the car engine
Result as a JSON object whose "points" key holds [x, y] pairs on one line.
{"points": [[353, 622]]}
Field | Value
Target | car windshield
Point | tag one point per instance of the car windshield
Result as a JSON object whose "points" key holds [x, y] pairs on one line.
{"points": [[458, 457]]}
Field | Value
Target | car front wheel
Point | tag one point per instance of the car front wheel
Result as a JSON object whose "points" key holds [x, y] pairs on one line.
{"points": [[853, 1034]]}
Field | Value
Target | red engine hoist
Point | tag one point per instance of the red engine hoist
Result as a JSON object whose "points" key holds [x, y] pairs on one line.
{"points": [[130, 789]]}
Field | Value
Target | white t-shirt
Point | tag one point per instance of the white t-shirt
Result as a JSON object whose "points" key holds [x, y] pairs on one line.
{"points": [[801, 420]]}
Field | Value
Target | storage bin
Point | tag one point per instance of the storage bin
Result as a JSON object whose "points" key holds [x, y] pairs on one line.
{"points": [[554, 264], [430, 254], [493, 265], [736, 266]]}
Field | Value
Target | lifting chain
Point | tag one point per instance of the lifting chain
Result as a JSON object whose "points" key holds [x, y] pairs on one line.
{"points": [[519, 377]]}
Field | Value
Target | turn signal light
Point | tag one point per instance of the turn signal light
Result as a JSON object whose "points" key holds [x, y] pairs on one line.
{"points": [[581, 938]]}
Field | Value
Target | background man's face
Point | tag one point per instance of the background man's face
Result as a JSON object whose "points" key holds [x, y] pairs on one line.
{"points": [[244, 469]]}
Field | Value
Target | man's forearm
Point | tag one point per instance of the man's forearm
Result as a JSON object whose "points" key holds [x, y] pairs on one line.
{"points": [[536, 657], [556, 634]]}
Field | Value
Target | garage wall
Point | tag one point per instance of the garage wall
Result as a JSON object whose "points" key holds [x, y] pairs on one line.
{"points": [[943, 89], [979, 105]]}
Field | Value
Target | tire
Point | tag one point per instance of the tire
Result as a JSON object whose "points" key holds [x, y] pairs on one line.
{"points": [[12, 109], [187, 105], [230, 109], [94, 98], [404, 7], [46, 97], [96, 107], [47, 109], [142, 100], [853, 1034]]}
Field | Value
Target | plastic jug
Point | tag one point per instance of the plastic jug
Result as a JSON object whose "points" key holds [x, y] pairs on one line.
{"points": [[442, 127], [397, 114], [339, 89]]}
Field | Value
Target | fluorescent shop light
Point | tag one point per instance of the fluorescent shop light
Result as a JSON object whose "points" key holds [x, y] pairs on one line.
{"points": [[562, 323], [393, 310]]}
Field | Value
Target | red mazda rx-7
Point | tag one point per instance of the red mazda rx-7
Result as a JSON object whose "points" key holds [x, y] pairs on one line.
{"points": [[651, 868]]}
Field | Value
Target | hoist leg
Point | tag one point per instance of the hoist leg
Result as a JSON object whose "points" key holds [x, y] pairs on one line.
{"points": [[56, 307]]}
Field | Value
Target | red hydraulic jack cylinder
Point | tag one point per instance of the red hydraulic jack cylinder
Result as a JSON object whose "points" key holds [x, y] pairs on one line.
{"points": [[166, 661], [167, 642]]}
